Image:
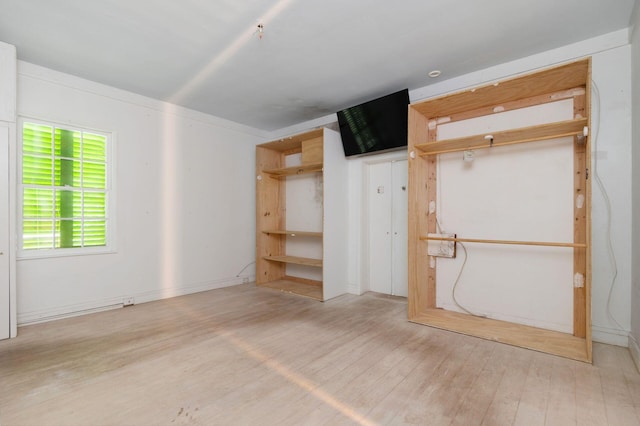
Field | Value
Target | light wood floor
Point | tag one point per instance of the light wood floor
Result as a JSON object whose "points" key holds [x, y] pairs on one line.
{"points": [[255, 356]]}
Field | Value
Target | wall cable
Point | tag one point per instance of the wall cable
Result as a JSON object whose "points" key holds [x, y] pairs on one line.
{"points": [[605, 194], [245, 267], [439, 230]]}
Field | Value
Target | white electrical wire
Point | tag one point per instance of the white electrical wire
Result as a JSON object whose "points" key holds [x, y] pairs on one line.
{"points": [[245, 267], [603, 190], [455, 284], [439, 229]]}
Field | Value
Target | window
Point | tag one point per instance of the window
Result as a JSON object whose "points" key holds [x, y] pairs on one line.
{"points": [[65, 189]]}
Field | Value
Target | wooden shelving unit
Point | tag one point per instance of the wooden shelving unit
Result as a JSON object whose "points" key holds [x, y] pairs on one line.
{"points": [[320, 156], [570, 81]]}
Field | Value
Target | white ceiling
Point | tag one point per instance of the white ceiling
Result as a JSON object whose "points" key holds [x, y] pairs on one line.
{"points": [[315, 57]]}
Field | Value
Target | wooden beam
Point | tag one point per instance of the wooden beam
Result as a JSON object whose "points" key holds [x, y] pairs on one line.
{"points": [[418, 261], [574, 74], [552, 342], [513, 105]]}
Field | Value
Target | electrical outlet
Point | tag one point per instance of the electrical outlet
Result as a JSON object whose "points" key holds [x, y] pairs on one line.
{"points": [[128, 301], [245, 280], [439, 248]]}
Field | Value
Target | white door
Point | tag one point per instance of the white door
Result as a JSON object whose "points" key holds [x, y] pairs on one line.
{"points": [[387, 218], [399, 226], [4, 233], [379, 209]]}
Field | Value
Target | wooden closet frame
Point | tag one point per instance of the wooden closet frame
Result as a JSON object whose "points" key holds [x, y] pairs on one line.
{"points": [[569, 81]]}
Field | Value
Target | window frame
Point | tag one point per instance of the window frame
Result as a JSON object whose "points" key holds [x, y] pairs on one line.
{"points": [[110, 194]]}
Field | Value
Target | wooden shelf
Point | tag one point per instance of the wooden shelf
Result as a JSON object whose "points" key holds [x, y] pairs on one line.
{"points": [[538, 339], [296, 170], [292, 233], [296, 260], [295, 287], [508, 137]]}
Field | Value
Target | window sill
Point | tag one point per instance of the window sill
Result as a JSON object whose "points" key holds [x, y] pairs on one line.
{"points": [[71, 252]]}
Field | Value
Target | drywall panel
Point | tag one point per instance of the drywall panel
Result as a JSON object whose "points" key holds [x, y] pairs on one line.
{"points": [[185, 200]]}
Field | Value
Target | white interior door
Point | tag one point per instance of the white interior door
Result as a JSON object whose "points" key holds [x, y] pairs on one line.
{"points": [[387, 223], [399, 226], [4, 233], [379, 208]]}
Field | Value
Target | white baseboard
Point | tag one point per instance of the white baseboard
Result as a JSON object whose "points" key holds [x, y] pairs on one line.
{"points": [[68, 311], [634, 348], [610, 336]]}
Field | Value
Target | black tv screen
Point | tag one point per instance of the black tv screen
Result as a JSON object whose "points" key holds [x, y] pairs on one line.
{"points": [[374, 126]]}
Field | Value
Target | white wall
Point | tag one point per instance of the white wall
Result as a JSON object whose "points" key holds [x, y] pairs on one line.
{"points": [[519, 192], [184, 197], [8, 69], [611, 55], [634, 337]]}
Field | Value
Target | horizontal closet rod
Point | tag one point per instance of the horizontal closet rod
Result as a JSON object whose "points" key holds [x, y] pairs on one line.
{"points": [[522, 243]]}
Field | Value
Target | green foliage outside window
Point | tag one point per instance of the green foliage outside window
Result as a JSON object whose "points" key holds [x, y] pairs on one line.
{"points": [[64, 183]]}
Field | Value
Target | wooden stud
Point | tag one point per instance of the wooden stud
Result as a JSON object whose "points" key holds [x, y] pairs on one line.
{"points": [[588, 219], [270, 206], [418, 262], [579, 225], [432, 217]]}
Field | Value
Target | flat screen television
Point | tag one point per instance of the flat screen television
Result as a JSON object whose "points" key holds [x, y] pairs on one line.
{"points": [[375, 126]]}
